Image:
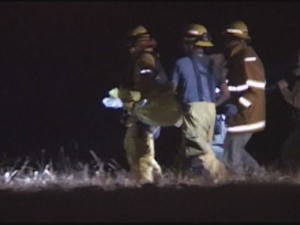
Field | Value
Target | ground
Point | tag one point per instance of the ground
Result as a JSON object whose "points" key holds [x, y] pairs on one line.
{"points": [[235, 201]]}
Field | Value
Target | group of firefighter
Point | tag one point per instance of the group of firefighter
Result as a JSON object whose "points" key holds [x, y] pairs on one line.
{"points": [[208, 96]]}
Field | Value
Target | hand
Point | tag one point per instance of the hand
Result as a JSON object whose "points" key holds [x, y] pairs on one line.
{"points": [[282, 84]]}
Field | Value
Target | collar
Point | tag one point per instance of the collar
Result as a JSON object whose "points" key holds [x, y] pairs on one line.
{"points": [[236, 49]]}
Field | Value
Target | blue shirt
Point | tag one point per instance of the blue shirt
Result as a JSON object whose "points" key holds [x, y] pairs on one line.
{"points": [[194, 86]]}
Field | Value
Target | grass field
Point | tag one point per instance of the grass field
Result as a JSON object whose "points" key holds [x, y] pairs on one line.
{"points": [[104, 192]]}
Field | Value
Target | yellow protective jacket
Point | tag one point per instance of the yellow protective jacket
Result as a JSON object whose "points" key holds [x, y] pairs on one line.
{"points": [[142, 72], [156, 103], [246, 83]]}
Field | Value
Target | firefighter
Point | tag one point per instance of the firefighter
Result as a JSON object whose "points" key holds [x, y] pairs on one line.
{"points": [[246, 83], [194, 81], [290, 90], [145, 73]]}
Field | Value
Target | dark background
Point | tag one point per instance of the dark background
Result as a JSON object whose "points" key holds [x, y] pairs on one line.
{"points": [[59, 59]]}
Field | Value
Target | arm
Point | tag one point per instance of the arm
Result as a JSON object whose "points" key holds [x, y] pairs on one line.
{"points": [[254, 76], [144, 67], [219, 69], [293, 97], [224, 94], [144, 76]]}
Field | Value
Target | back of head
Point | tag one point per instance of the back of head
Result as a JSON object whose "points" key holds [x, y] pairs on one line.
{"points": [[198, 35], [237, 29]]}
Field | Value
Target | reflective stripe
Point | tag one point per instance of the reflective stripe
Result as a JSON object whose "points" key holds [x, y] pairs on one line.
{"points": [[256, 84], [193, 32], [145, 71], [245, 102], [242, 87], [250, 59], [248, 127], [249, 83], [235, 31]]}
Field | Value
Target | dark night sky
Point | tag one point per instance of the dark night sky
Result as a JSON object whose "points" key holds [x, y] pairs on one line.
{"points": [[58, 59]]}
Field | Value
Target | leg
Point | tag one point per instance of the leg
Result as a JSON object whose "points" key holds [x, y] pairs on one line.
{"points": [[139, 146], [232, 153], [198, 133], [235, 155]]}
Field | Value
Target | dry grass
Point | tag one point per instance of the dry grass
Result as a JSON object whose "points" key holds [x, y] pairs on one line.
{"points": [[23, 174]]}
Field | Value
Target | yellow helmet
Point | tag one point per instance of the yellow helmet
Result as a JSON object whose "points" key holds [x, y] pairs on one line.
{"points": [[199, 35], [139, 33], [237, 29]]}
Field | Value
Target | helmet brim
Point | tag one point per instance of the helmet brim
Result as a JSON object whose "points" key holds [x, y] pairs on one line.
{"points": [[204, 44]]}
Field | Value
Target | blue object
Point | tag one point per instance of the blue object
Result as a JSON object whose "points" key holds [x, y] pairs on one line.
{"points": [[230, 110]]}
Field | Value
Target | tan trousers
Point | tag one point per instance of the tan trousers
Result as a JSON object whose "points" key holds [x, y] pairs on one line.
{"points": [[140, 153], [198, 131]]}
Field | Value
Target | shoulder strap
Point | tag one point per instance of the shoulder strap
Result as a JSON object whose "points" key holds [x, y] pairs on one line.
{"points": [[197, 74]]}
